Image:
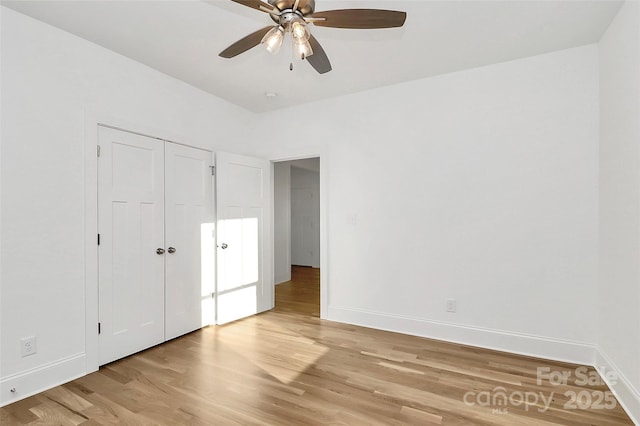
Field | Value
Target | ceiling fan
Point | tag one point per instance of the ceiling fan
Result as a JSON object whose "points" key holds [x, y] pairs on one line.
{"points": [[293, 16]]}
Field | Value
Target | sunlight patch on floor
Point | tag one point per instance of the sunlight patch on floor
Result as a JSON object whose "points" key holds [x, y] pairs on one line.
{"points": [[292, 356]]}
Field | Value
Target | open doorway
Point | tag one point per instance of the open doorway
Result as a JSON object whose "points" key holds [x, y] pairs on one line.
{"points": [[297, 236]]}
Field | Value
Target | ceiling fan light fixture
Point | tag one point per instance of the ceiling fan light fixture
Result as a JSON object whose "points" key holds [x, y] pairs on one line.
{"points": [[272, 40], [293, 16]]}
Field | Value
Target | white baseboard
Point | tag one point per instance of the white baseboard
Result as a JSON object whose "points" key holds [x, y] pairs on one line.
{"points": [[39, 379], [625, 392], [523, 344]]}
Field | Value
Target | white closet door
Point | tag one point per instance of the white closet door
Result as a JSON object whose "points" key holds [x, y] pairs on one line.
{"points": [[190, 243], [245, 284], [131, 227]]}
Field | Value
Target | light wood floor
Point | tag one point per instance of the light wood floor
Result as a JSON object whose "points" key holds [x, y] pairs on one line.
{"points": [[287, 367]]}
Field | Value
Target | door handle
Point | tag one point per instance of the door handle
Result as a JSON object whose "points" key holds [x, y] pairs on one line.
{"points": [[171, 250], [159, 251], [224, 246]]}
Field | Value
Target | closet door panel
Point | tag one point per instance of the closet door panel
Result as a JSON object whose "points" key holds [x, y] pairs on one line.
{"points": [[243, 202], [190, 259], [131, 228]]}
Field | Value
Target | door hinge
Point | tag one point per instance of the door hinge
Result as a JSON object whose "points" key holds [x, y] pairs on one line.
{"points": [[98, 150], [98, 239], [213, 170], [99, 328]]}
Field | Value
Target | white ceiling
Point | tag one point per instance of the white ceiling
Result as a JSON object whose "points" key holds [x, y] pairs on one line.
{"points": [[183, 39]]}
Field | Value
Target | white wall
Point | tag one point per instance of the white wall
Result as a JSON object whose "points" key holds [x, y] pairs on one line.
{"points": [[51, 81], [480, 185], [619, 275], [305, 217], [1, 239], [282, 221]]}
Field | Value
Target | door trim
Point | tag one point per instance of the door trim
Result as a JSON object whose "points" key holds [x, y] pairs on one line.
{"points": [[89, 142], [322, 154]]}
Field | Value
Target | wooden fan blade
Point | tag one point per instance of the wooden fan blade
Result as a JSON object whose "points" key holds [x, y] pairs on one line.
{"points": [[361, 19], [245, 43], [258, 5], [319, 59]]}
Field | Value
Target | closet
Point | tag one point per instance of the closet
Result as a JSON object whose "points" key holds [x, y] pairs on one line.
{"points": [[156, 253]]}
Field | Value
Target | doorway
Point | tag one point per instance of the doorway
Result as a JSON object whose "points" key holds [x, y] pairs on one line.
{"points": [[297, 254]]}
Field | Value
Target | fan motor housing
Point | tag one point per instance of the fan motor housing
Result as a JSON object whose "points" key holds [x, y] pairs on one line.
{"points": [[305, 10]]}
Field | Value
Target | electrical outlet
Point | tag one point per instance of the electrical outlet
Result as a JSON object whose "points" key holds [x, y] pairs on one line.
{"points": [[28, 346], [451, 305]]}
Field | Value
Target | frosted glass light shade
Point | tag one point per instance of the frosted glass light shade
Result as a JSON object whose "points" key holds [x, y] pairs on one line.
{"points": [[304, 49], [299, 31], [272, 40]]}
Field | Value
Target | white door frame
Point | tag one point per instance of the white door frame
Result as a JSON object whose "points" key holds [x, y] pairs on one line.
{"points": [[322, 154], [89, 140]]}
